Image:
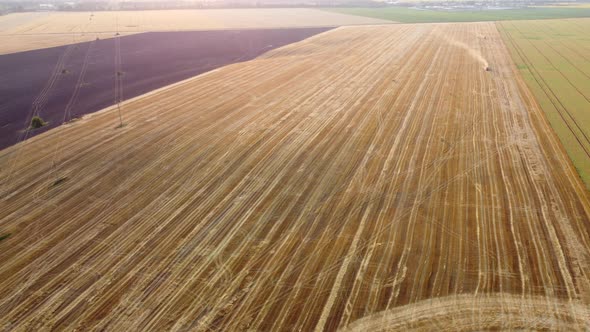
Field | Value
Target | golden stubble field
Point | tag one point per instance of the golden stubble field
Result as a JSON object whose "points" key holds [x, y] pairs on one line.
{"points": [[28, 31], [368, 178]]}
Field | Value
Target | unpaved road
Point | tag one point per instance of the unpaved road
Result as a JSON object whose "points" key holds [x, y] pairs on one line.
{"points": [[364, 176]]}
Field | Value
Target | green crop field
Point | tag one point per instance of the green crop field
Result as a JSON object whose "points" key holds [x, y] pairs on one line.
{"points": [[554, 59], [409, 15]]}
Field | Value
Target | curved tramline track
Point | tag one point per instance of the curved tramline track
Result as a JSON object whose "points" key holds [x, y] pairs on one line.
{"points": [[67, 115], [35, 110], [366, 178]]}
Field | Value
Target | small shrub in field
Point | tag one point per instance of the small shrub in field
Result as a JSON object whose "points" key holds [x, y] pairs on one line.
{"points": [[59, 181], [4, 237], [37, 122]]}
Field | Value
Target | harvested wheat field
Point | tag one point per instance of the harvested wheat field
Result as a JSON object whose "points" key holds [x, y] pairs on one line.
{"points": [[365, 178], [28, 31]]}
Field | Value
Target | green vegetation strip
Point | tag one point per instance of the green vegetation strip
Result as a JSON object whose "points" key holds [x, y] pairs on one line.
{"points": [[410, 15], [554, 60], [4, 237]]}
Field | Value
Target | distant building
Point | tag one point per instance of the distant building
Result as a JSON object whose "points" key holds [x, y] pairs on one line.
{"points": [[46, 6]]}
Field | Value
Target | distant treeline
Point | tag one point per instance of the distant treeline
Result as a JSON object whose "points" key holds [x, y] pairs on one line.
{"points": [[479, 3]]}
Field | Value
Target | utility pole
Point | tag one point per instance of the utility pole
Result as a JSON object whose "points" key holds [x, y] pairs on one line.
{"points": [[118, 74]]}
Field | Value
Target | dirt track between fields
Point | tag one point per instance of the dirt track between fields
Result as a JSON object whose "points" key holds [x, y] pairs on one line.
{"points": [[331, 183]]}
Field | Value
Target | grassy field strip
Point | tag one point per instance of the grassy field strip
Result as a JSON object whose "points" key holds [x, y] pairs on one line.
{"points": [[364, 171], [412, 15], [567, 5], [553, 57], [27, 31]]}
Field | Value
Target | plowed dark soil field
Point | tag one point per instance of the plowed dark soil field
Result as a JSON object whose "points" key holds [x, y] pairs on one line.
{"points": [[63, 83]]}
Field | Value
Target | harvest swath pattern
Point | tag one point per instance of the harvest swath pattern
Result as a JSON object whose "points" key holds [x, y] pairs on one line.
{"points": [[554, 58], [365, 177], [29, 31]]}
